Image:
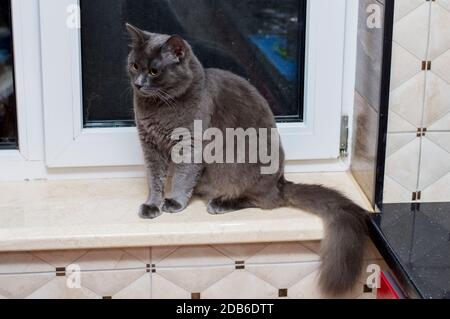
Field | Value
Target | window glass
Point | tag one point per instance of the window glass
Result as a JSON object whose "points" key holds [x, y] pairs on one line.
{"points": [[8, 120], [261, 40]]}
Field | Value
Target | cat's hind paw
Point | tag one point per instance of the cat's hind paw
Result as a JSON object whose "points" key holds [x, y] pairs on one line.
{"points": [[171, 206], [149, 211]]}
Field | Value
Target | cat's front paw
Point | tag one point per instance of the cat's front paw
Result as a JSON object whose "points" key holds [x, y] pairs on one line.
{"points": [[171, 206], [149, 211]]}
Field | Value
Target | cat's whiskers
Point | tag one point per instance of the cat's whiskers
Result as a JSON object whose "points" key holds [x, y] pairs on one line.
{"points": [[164, 99]]}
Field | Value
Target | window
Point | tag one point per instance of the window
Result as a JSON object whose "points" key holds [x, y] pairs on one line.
{"points": [[87, 108], [8, 121], [261, 40]]}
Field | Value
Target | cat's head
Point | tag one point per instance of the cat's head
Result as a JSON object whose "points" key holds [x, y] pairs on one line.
{"points": [[159, 64]]}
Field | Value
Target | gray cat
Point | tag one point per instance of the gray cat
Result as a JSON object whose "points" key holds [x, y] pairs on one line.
{"points": [[172, 90]]}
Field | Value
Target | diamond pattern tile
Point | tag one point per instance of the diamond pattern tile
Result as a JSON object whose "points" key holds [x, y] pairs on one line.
{"points": [[398, 124], [22, 285], [407, 100], [241, 285], [60, 259], [405, 7], [420, 100], [435, 167], [437, 100], [165, 289], [111, 282], [284, 253], [411, 31], [266, 271], [440, 30], [284, 275], [402, 165], [405, 66], [20, 263], [394, 192], [435, 163], [58, 289]]}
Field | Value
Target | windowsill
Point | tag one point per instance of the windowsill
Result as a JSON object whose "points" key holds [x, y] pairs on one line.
{"points": [[103, 214]]}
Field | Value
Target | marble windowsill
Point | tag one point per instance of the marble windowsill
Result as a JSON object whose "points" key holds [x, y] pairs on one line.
{"points": [[55, 215]]}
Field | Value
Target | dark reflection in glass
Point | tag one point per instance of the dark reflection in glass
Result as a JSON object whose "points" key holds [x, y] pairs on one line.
{"points": [[8, 120], [261, 40]]}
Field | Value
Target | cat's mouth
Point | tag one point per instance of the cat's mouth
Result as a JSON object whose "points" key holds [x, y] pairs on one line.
{"points": [[146, 92]]}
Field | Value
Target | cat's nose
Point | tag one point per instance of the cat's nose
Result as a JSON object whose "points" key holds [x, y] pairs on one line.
{"points": [[138, 86]]}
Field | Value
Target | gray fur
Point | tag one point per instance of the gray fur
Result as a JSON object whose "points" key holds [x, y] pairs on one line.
{"points": [[183, 92]]}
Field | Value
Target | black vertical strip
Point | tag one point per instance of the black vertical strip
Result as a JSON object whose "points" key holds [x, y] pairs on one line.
{"points": [[384, 101]]}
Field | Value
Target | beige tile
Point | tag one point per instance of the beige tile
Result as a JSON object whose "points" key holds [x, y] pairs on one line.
{"points": [[313, 246], [444, 3], [398, 124], [240, 252], [58, 289], [196, 279], [403, 165], [395, 192], [439, 191], [60, 258], [164, 289], [441, 66], [308, 288], [240, 284], [435, 163], [284, 253], [111, 283], [439, 31], [112, 259], [437, 103], [21, 286], [195, 256], [395, 142], [142, 254], [411, 32], [159, 253], [404, 66], [405, 7], [441, 139], [139, 289], [20, 263], [441, 125], [407, 100], [283, 276]]}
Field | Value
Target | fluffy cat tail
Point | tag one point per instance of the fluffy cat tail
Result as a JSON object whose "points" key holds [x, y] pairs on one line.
{"points": [[346, 230]]}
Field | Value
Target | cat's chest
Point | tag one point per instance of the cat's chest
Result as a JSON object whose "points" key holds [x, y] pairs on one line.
{"points": [[155, 133]]}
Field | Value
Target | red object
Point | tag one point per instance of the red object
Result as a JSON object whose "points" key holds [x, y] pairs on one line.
{"points": [[387, 290]]}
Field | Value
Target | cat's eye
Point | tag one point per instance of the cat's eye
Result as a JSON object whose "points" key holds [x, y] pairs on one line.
{"points": [[134, 67], [153, 72]]}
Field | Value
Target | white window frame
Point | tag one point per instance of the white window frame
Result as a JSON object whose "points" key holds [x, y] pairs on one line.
{"points": [[48, 89], [26, 162]]}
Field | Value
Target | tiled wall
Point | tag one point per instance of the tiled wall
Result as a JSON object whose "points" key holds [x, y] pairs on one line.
{"points": [[367, 100], [418, 154], [266, 271]]}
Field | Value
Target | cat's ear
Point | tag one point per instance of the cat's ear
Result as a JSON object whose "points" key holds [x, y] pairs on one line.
{"points": [[175, 48], [137, 36]]}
